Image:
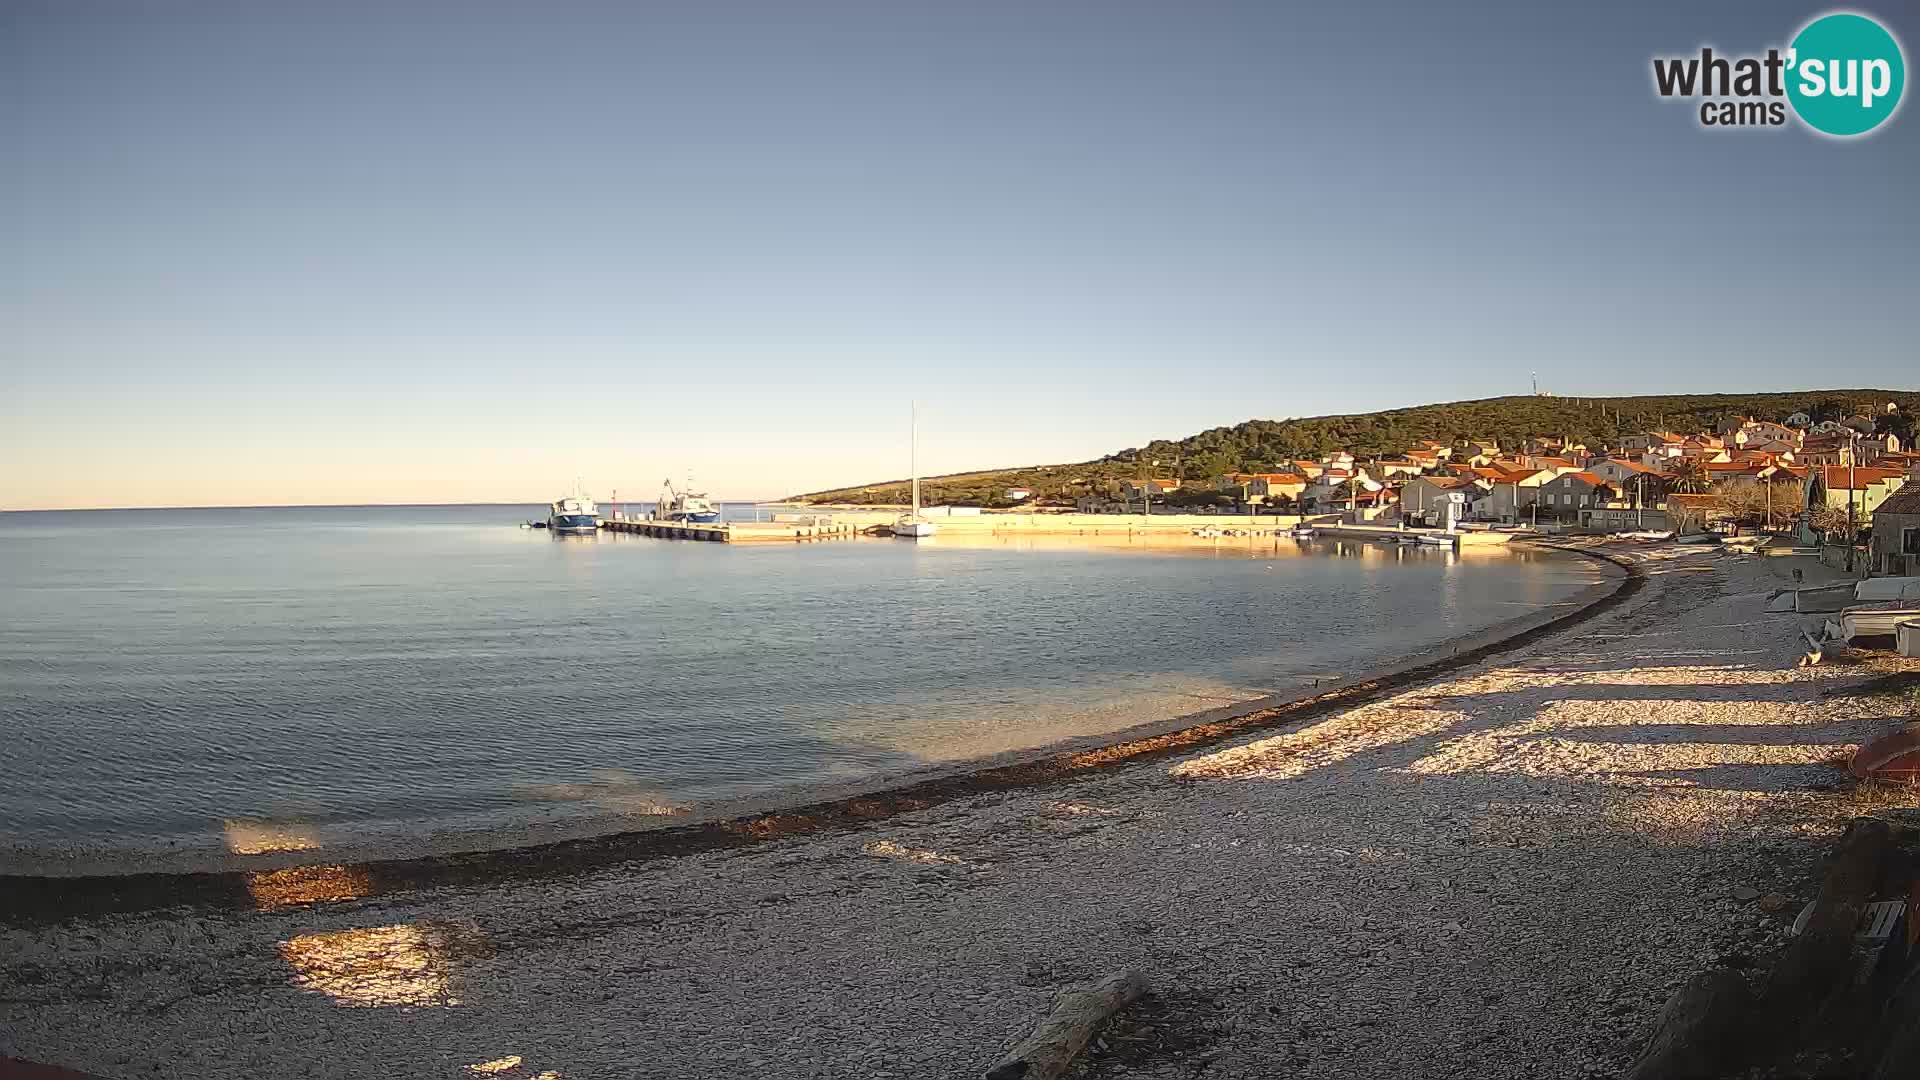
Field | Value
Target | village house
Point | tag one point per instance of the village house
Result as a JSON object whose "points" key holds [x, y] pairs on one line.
{"points": [[1555, 465], [1895, 548], [1838, 487], [1332, 490], [1274, 488], [1157, 489], [1388, 468], [1623, 472], [1308, 469], [1553, 446], [1368, 506], [1826, 450], [1720, 471], [1425, 498], [1746, 431], [1644, 441], [1638, 488], [1513, 495], [1564, 496], [1694, 448], [1875, 446]]}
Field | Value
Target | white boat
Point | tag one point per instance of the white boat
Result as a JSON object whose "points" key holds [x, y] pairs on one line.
{"points": [[1857, 622], [573, 514], [911, 525], [1436, 539], [685, 506]]}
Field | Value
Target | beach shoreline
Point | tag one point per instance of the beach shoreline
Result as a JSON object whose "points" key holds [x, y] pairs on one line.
{"points": [[1498, 870], [39, 882]]}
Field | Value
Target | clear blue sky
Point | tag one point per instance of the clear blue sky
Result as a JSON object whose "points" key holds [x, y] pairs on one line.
{"points": [[340, 252]]}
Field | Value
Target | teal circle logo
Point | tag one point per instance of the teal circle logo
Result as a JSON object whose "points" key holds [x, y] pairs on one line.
{"points": [[1845, 74]]}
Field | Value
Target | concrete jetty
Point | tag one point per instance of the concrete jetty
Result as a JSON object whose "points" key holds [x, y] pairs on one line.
{"points": [[734, 532]]}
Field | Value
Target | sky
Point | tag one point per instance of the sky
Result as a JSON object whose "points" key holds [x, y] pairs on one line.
{"points": [[264, 253]]}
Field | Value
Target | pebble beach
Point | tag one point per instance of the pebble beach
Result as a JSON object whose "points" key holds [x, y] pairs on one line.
{"points": [[1498, 872]]}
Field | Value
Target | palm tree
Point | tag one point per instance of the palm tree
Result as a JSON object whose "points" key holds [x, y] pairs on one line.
{"points": [[1689, 477]]}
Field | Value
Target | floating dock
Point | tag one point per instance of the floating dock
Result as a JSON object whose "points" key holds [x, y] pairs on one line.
{"points": [[733, 532]]}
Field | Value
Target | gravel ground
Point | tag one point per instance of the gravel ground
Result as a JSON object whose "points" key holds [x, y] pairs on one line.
{"points": [[1500, 873]]}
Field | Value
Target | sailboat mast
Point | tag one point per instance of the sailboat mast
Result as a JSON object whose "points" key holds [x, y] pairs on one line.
{"points": [[913, 454]]}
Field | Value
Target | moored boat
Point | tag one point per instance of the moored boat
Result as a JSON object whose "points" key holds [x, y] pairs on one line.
{"points": [[911, 525], [573, 514], [685, 506]]}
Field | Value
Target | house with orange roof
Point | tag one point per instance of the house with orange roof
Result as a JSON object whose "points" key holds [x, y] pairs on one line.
{"points": [[1331, 488], [1156, 488], [1862, 488], [1512, 496], [1272, 488], [1564, 496], [1424, 498], [1619, 472], [1716, 471], [1558, 466], [1389, 468]]}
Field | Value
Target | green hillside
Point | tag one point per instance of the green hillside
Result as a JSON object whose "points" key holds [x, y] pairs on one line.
{"points": [[1263, 445]]}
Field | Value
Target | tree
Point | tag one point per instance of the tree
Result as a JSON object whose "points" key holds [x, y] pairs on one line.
{"points": [[1689, 477], [1758, 503]]}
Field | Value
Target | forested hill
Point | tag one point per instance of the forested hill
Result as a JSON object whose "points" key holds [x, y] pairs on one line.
{"points": [[1262, 445]]}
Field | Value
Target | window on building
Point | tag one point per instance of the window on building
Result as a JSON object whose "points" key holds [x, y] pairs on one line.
{"points": [[1910, 541]]}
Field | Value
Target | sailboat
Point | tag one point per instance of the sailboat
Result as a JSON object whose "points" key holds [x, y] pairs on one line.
{"points": [[912, 525]]}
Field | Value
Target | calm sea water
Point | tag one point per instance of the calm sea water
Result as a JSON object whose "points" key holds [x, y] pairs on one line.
{"points": [[246, 680]]}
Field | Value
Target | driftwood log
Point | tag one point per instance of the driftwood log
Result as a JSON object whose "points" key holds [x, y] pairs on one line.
{"points": [[1078, 1012], [1715, 1025]]}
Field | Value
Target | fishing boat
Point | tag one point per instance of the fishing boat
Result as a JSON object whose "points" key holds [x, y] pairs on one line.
{"points": [[685, 506], [573, 514], [911, 525]]}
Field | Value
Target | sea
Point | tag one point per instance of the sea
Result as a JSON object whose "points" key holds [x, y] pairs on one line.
{"points": [[182, 685]]}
